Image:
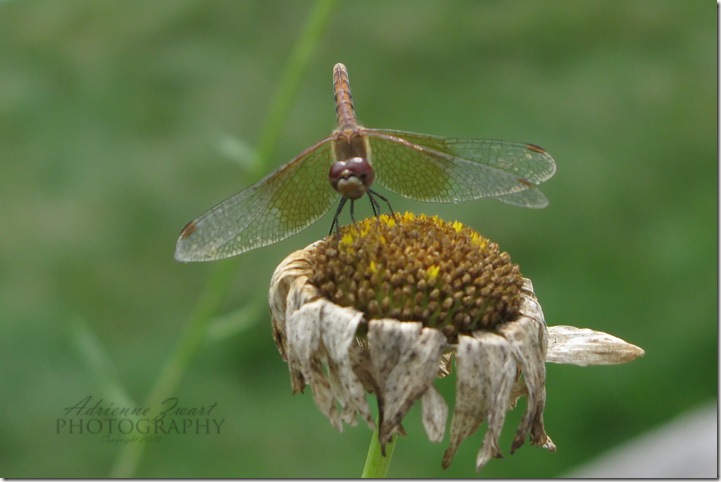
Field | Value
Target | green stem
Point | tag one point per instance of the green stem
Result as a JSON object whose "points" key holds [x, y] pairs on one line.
{"points": [[377, 464], [194, 334], [191, 339], [290, 79]]}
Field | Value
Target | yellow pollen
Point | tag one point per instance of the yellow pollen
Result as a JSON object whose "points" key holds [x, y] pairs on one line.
{"points": [[478, 240], [373, 267], [346, 240], [390, 221], [432, 272], [457, 226]]}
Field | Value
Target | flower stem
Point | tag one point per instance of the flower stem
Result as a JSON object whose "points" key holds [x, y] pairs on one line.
{"points": [[377, 464]]}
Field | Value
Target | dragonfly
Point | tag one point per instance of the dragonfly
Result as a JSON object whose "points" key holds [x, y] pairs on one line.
{"points": [[344, 166]]}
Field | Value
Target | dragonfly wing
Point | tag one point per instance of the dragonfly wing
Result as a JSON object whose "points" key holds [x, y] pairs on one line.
{"points": [[276, 207], [530, 198], [528, 161], [432, 168]]}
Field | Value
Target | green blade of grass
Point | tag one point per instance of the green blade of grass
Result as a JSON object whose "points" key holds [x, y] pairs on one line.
{"points": [[99, 362], [195, 332]]}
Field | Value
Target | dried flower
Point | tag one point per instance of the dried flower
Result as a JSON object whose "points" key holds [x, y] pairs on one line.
{"points": [[384, 305]]}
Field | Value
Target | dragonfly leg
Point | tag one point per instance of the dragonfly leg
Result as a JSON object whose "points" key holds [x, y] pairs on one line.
{"points": [[336, 224], [376, 205], [352, 210]]}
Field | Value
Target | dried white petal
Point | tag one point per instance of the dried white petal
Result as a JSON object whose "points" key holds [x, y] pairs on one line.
{"points": [[405, 359], [348, 410], [303, 335], [501, 387], [472, 393], [338, 328], [434, 412], [295, 265], [526, 337], [529, 303], [486, 371], [584, 347], [289, 283]]}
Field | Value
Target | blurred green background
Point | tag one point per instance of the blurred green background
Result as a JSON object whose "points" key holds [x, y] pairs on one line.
{"points": [[120, 121]]}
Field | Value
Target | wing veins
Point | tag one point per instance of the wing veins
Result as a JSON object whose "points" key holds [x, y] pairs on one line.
{"points": [[518, 183], [242, 222]]}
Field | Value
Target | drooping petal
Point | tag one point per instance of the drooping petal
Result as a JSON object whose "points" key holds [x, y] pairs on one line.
{"points": [[304, 357], [505, 370], [347, 410], [526, 337], [405, 359], [584, 347], [485, 371], [434, 412], [472, 397], [290, 276], [338, 330]]}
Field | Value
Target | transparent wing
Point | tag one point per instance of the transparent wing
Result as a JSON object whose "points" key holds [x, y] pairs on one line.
{"points": [[432, 168], [530, 198], [280, 205]]}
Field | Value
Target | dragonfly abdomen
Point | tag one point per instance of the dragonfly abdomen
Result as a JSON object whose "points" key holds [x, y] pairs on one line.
{"points": [[344, 110]]}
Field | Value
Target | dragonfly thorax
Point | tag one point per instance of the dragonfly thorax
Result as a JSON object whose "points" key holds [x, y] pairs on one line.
{"points": [[352, 177]]}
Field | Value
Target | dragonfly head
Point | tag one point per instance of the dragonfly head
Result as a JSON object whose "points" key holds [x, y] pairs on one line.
{"points": [[352, 177]]}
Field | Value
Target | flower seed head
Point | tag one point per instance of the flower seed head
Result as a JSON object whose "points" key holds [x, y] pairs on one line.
{"points": [[419, 268]]}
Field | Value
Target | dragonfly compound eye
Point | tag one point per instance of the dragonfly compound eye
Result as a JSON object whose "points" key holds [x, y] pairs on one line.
{"points": [[362, 169], [351, 178]]}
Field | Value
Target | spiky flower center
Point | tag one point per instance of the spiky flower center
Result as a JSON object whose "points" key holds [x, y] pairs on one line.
{"points": [[419, 268]]}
